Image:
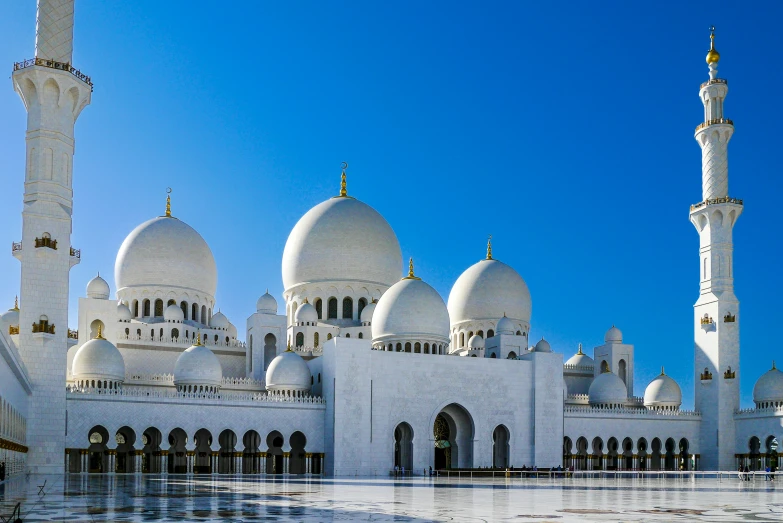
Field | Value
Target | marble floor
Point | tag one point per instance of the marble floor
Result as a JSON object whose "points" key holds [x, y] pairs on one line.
{"points": [[92, 498]]}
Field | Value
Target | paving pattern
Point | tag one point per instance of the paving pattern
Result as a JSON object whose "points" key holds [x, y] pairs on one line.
{"points": [[151, 498]]}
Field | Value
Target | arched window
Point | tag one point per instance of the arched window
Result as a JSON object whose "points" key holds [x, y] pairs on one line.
{"points": [[361, 335], [135, 308], [175, 333], [127, 332], [490, 333], [461, 339], [316, 340], [158, 308], [194, 312], [145, 308], [621, 370], [171, 302], [470, 335], [332, 312], [407, 346], [480, 333], [347, 308], [417, 348], [362, 305], [328, 337], [184, 307], [604, 366], [347, 334], [398, 348], [426, 348], [138, 333], [204, 318], [319, 308]]}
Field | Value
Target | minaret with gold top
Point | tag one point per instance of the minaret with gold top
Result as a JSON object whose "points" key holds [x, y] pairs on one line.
{"points": [[716, 312], [54, 94]]}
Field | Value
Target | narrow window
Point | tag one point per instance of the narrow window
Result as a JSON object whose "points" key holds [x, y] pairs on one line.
{"points": [[332, 312], [347, 308]]}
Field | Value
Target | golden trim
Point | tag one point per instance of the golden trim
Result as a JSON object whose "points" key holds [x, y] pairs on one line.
{"points": [[489, 247], [7, 444], [713, 56], [168, 202], [16, 303], [410, 275]]}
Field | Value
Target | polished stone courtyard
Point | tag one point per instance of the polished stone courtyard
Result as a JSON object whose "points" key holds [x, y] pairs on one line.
{"points": [[90, 498]]}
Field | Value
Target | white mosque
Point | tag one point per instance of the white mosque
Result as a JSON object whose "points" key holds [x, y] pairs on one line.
{"points": [[366, 370]]}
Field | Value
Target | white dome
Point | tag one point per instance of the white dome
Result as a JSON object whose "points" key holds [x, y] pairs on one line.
{"points": [[219, 321], [11, 316], [341, 239], [607, 388], [232, 330], [476, 342], [367, 313], [306, 313], [663, 391], [173, 313], [288, 372], [98, 289], [165, 252], [505, 326], [581, 359], [98, 359], [613, 335], [769, 386], [123, 312], [198, 365], [542, 346], [410, 309], [266, 304], [489, 290]]}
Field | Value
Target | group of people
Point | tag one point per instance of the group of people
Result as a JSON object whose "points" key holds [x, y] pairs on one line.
{"points": [[744, 473]]}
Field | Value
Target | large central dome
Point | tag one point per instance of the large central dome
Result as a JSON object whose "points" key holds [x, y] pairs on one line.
{"points": [[342, 239], [165, 252]]}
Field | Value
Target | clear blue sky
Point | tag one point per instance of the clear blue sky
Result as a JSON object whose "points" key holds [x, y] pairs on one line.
{"points": [[564, 130]]}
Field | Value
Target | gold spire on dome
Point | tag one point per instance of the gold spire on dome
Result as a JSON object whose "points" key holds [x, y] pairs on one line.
{"points": [[713, 56], [99, 336], [579, 352], [16, 303], [489, 247], [773, 365], [662, 373], [411, 275], [343, 183], [288, 347], [168, 202], [198, 338]]}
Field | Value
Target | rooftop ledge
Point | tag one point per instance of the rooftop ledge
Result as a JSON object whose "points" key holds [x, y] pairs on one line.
{"points": [[714, 121], [52, 64]]}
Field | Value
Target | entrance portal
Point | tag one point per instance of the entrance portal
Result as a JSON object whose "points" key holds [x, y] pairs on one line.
{"points": [[453, 438]]}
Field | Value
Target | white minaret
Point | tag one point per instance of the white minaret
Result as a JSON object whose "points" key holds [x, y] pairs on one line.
{"points": [[54, 94], [716, 312]]}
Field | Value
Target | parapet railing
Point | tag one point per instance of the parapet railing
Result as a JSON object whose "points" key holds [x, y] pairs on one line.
{"points": [[714, 121], [714, 201], [629, 411], [181, 340], [143, 392], [52, 64], [714, 81], [612, 475], [168, 379], [582, 368], [750, 412]]}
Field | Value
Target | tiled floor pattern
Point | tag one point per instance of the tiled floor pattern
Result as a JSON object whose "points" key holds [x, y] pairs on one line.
{"points": [[92, 498]]}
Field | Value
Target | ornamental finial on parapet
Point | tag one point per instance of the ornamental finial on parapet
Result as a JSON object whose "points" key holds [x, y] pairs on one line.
{"points": [[411, 275], [16, 303]]}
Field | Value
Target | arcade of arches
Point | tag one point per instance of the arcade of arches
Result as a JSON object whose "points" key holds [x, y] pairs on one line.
{"points": [[760, 457], [640, 455], [177, 453]]}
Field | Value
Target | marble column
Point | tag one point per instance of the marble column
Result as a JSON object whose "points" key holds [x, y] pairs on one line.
{"points": [[589, 462], [649, 462], [83, 456], [238, 463], [321, 463], [213, 462], [286, 457], [137, 461], [635, 462], [262, 469], [164, 462], [67, 461], [191, 454], [112, 461], [308, 463]]}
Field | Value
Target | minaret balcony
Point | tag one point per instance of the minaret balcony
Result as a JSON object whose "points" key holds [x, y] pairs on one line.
{"points": [[51, 64], [73, 334], [714, 121], [16, 250], [715, 201], [46, 241], [75, 256], [714, 81]]}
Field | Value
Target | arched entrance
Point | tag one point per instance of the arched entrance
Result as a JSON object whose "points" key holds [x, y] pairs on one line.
{"points": [[250, 463], [567, 450], [151, 439], [669, 459], [270, 349], [125, 461], [98, 459], [178, 461], [642, 446], [202, 461], [274, 453], [581, 453], [403, 447], [500, 447], [628, 454], [754, 446], [772, 452], [684, 455], [612, 446], [598, 454], [228, 443], [453, 434], [297, 463], [655, 462]]}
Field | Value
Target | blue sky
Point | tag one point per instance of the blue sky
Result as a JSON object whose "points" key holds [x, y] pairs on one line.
{"points": [[563, 129]]}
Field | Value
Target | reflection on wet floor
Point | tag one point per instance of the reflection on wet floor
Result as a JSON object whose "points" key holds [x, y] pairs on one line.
{"points": [[150, 498]]}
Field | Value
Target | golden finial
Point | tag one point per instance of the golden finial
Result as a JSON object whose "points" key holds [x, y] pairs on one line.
{"points": [[713, 56], [662, 373], [100, 332], [288, 347], [410, 275], [489, 247], [773, 365], [343, 184], [579, 352], [168, 202], [16, 303], [305, 301], [198, 338]]}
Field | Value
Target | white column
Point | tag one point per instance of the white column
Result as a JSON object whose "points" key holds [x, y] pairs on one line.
{"points": [[213, 460], [164, 462], [67, 461], [308, 461], [286, 457], [263, 463]]}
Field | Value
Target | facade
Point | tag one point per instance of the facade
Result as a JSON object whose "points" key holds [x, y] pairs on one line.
{"points": [[365, 371]]}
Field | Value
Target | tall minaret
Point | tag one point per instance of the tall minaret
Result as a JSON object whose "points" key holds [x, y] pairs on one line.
{"points": [[716, 312], [54, 93]]}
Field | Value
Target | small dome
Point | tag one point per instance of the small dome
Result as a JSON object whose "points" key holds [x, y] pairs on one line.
{"points": [[98, 359], [11, 317], [98, 289], [505, 326], [288, 372], [173, 313], [613, 335], [607, 388], [367, 313], [410, 309], [581, 359], [663, 391], [769, 386], [542, 346], [219, 321], [232, 330], [123, 312], [198, 365], [476, 342], [306, 314], [266, 304]]}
